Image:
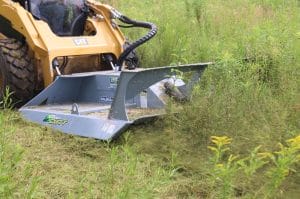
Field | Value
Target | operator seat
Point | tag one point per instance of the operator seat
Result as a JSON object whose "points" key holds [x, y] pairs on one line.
{"points": [[77, 27], [64, 17]]}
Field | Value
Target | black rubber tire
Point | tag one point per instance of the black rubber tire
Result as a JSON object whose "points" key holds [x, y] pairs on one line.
{"points": [[16, 71]]}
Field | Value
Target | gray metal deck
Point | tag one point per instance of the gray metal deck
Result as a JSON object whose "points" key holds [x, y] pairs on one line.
{"points": [[101, 105]]}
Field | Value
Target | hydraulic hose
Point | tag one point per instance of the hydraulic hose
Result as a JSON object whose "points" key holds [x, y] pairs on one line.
{"points": [[153, 30]]}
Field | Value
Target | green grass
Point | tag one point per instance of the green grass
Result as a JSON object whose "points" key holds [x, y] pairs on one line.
{"points": [[251, 94]]}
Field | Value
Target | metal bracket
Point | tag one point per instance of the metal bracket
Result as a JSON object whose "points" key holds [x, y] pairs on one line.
{"points": [[75, 109]]}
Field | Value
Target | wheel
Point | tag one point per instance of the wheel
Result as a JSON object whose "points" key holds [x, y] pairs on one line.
{"points": [[16, 71]]}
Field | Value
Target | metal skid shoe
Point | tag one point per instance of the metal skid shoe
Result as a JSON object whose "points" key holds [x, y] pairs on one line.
{"points": [[101, 105]]}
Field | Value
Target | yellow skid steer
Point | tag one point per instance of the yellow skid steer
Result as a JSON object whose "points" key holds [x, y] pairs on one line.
{"points": [[69, 66]]}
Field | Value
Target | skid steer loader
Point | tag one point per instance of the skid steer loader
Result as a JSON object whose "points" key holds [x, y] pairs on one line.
{"points": [[69, 65]]}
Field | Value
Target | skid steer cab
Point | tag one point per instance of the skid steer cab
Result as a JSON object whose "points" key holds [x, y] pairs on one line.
{"points": [[70, 64]]}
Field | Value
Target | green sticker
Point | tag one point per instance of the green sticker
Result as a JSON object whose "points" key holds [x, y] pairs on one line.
{"points": [[54, 120]]}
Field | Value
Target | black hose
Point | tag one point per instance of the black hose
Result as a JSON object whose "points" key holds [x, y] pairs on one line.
{"points": [[137, 43]]}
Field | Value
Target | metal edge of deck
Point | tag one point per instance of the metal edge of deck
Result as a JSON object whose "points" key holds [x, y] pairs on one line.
{"points": [[81, 125]]}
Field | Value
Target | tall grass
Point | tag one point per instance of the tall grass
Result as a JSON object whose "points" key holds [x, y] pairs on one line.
{"points": [[12, 185], [252, 92]]}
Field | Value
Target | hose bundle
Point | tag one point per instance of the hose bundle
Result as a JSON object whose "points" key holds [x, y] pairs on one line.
{"points": [[133, 23]]}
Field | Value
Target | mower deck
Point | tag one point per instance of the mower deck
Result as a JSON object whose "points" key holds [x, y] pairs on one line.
{"points": [[101, 105]]}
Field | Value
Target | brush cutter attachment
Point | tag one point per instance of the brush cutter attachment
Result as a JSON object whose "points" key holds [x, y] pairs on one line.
{"points": [[101, 105]]}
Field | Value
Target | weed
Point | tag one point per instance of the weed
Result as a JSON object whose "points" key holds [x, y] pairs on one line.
{"points": [[283, 159], [7, 102], [223, 172], [254, 161], [220, 147], [226, 171]]}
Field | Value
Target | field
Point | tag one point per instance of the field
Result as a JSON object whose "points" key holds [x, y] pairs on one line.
{"points": [[239, 137]]}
